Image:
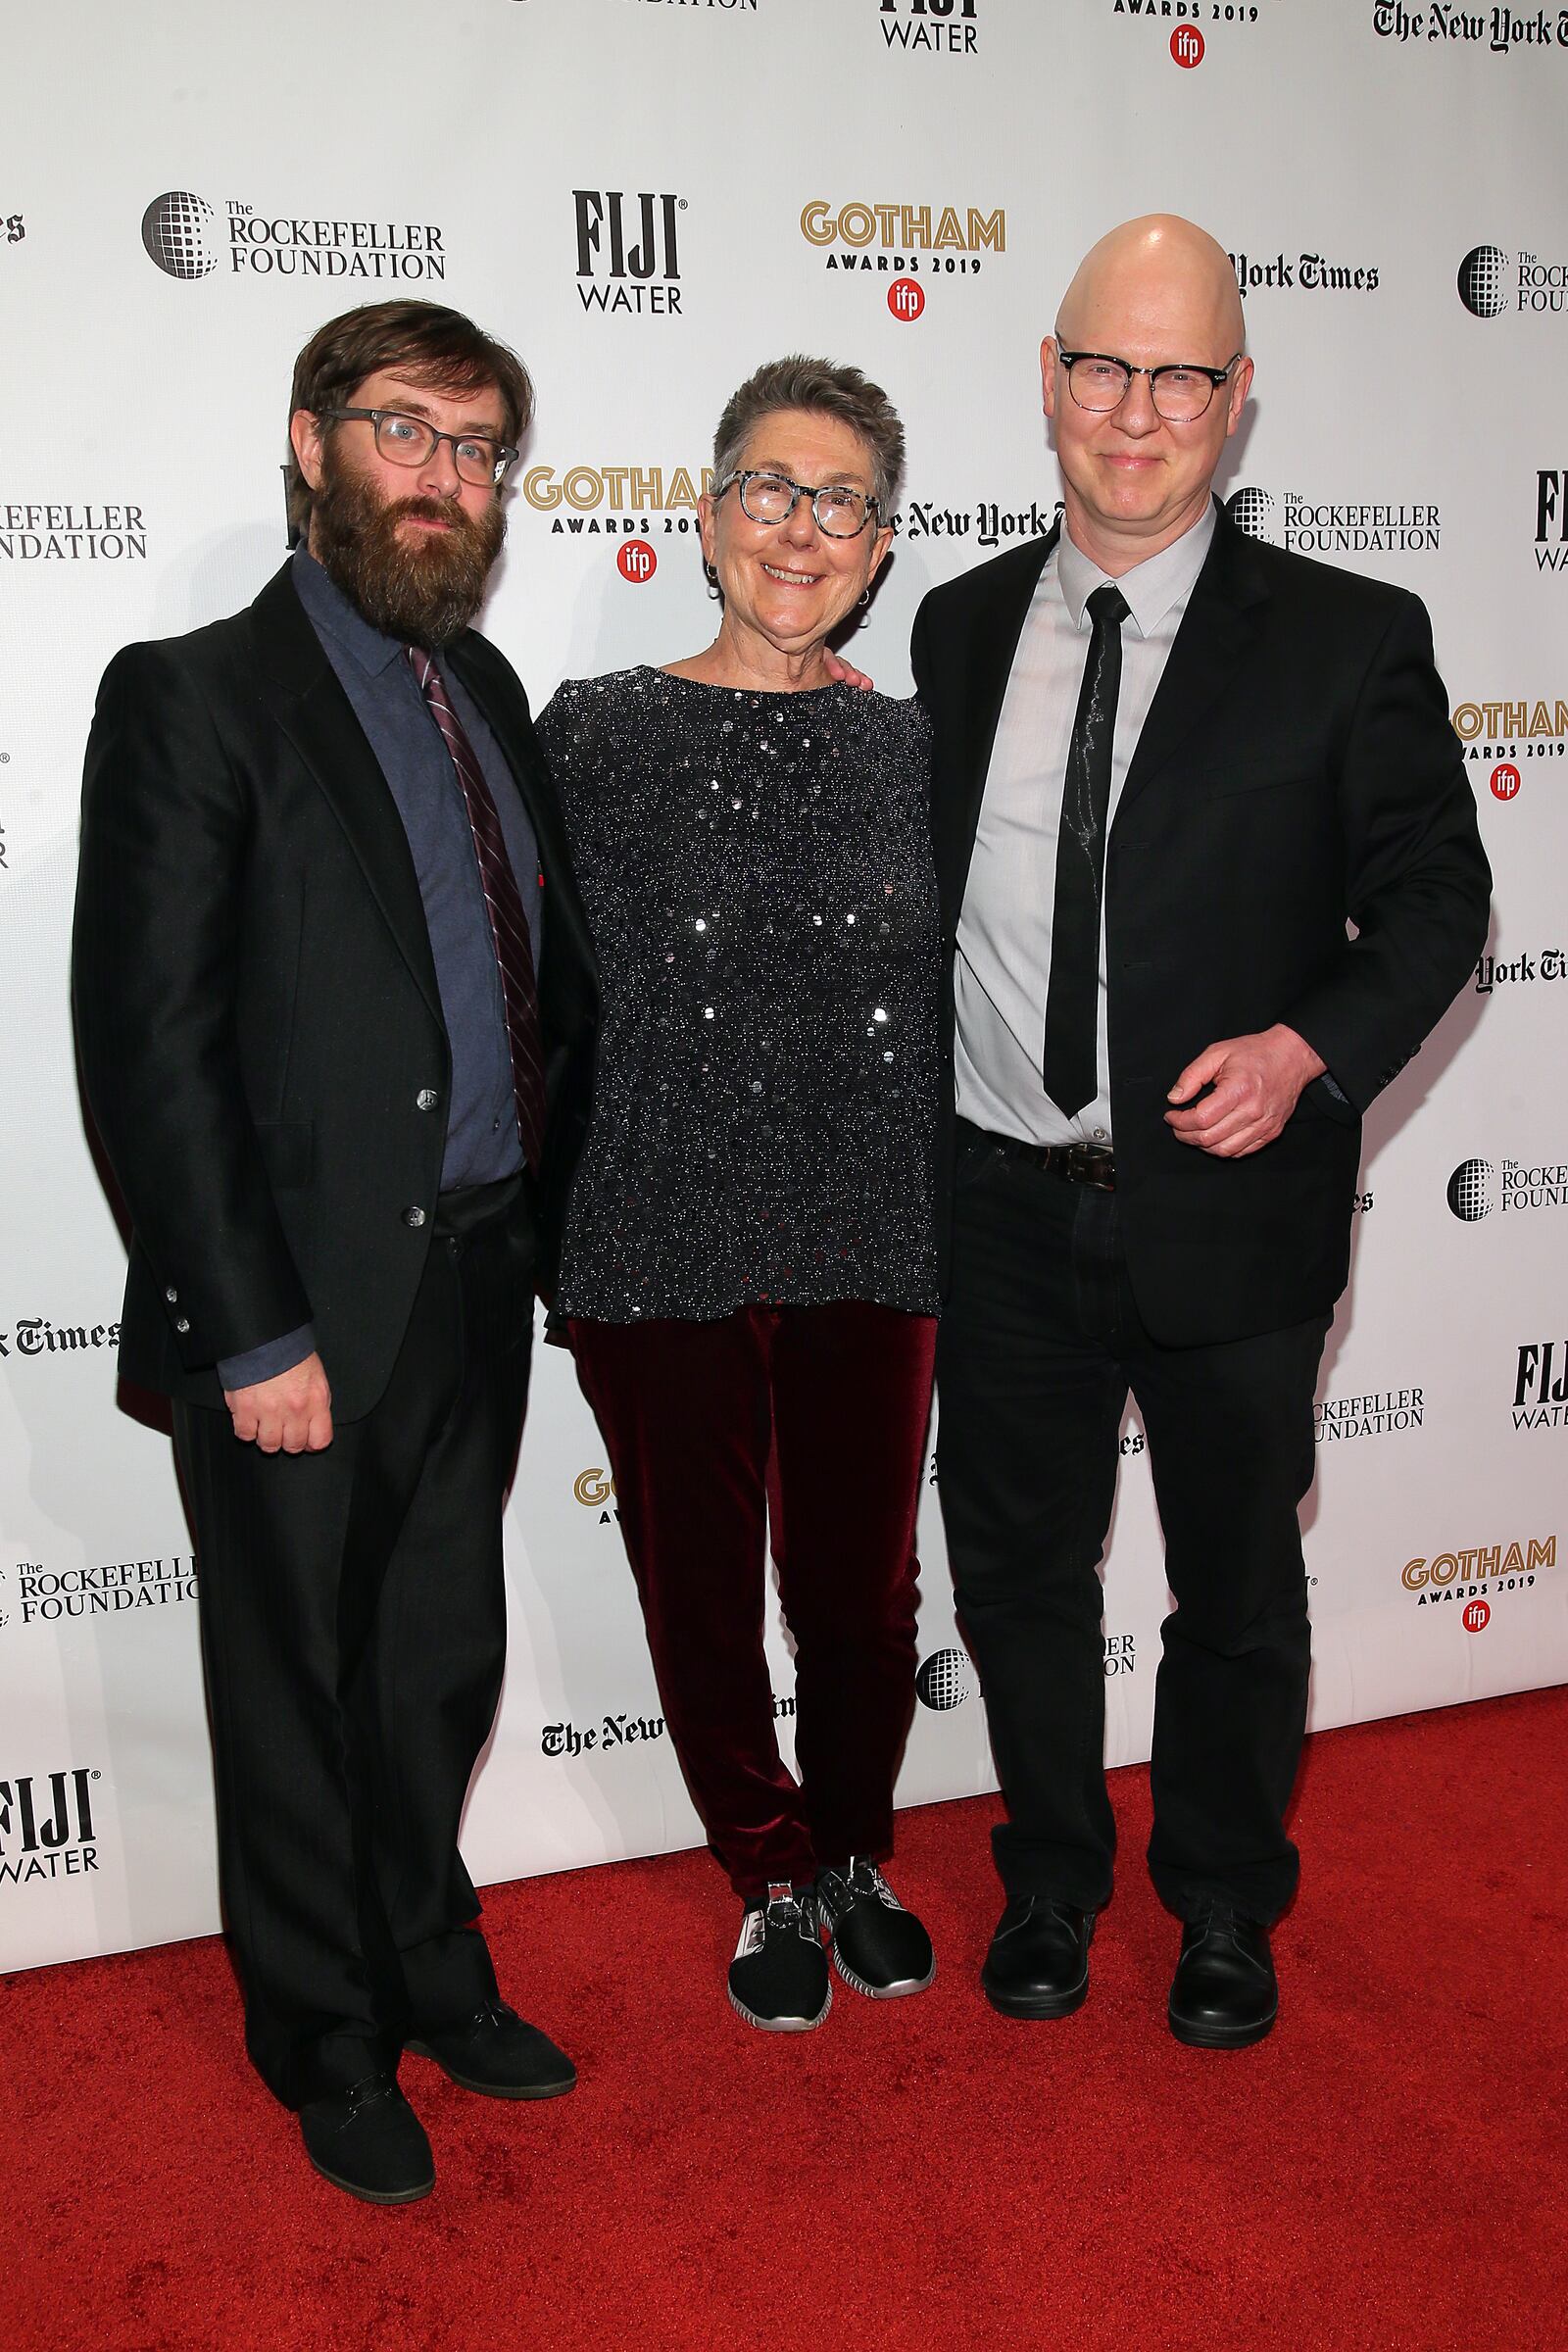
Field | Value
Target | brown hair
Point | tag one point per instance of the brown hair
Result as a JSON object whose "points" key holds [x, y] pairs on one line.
{"points": [[423, 340]]}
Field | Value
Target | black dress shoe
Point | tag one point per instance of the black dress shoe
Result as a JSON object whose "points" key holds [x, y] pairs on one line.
{"points": [[1037, 1964], [1225, 1993], [368, 2140], [496, 2053]]}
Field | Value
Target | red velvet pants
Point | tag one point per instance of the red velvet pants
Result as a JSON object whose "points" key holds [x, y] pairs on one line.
{"points": [[817, 1414]]}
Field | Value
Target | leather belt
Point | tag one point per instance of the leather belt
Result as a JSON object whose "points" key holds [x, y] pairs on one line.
{"points": [[1074, 1163]]}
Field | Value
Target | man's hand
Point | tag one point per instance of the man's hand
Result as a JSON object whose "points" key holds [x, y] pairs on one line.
{"points": [[841, 673], [290, 1413], [1256, 1083]]}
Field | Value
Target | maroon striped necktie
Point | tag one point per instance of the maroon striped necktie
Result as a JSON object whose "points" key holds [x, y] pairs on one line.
{"points": [[508, 924]]}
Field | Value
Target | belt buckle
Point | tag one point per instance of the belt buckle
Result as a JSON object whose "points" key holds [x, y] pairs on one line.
{"points": [[1093, 1163]]}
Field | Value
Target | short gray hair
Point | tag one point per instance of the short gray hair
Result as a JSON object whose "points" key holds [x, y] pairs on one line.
{"points": [[822, 388]]}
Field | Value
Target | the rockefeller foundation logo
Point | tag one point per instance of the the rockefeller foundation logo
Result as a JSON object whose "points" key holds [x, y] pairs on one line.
{"points": [[1491, 281], [1327, 527], [189, 238]]}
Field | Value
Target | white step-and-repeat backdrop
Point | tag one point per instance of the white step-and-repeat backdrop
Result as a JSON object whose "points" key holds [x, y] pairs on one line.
{"points": [[646, 198]]}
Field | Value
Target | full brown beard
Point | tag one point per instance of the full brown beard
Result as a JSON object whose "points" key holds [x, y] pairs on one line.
{"points": [[421, 587]]}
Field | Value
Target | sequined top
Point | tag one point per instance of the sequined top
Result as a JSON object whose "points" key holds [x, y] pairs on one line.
{"points": [[757, 870]]}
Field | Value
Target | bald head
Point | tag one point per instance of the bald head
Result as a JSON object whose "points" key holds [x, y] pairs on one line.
{"points": [[1164, 277], [1155, 293]]}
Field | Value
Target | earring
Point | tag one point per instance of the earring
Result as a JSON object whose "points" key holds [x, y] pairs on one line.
{"points": [[865, 595], [711, 570]]}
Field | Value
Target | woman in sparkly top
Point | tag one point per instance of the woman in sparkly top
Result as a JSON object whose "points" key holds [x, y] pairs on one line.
{"points": [[748, 1273]]}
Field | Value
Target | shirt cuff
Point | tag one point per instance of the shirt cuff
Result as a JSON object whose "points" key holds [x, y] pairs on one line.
{"points": [[267, 1361]]}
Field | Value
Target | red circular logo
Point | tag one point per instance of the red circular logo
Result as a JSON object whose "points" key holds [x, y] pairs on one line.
{"points": [[905, 300], [1477, 1616], [635, 560], [1505, 781], [1187, 45]]}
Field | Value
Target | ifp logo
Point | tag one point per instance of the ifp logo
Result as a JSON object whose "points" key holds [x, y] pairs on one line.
{"points": [[1187, 47], [905, 300], [635, 560], [1477, 1616], [1505, 781]]}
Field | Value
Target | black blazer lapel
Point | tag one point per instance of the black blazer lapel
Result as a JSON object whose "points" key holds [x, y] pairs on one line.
{"points": [[302, 693], [1217, 633]]}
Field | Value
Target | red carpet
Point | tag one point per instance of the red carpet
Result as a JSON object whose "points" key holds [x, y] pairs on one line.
{"points": [[1387, 2171]]}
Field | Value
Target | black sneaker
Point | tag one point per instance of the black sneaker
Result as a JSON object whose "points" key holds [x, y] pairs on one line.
{"points": [[878, 1946], [778, 1979], [368, 2140], [497, 2054]]}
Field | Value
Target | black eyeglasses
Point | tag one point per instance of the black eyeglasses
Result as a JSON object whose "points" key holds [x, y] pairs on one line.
{"points": [[410, 441], [839, 512], [1180, 391]]}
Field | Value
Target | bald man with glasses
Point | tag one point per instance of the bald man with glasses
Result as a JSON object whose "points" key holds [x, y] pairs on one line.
{"points": [[1172, 767]]}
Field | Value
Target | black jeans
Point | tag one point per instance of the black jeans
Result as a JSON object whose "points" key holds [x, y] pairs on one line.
{"points": [[1039, 1343], [353, 1616]]}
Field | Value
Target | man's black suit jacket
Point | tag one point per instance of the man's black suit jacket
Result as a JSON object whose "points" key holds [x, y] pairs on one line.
{"points": [[1297, 769], [257, 1015]]}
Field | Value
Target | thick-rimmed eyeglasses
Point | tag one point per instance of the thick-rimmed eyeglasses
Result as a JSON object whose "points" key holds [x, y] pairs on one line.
{"points": [[410, 441], [838, 510], [1180, 391]]}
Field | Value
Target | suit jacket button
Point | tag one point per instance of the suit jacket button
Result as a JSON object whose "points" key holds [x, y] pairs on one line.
{"points": [[171, 1296], [414, 1217], [182, 1323], [426, 1098]]}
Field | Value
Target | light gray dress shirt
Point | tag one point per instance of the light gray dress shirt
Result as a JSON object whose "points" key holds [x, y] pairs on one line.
{"points": [[1002, 968]]}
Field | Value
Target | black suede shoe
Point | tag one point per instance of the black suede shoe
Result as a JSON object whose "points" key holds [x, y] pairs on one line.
{"points": [[1037, 1964], [878, 1946], [368, 2140], [779, 1979], [1225, 1993], [496, 2053]]}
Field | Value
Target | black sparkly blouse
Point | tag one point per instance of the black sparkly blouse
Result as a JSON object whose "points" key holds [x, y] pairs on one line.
{"points": [[757, 870]]}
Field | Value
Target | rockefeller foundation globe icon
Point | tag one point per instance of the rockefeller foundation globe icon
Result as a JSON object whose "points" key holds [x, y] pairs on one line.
{"points": [[1470, 1191], [1251, 511], [175, 230], [1481, 282], [946, 1679]]}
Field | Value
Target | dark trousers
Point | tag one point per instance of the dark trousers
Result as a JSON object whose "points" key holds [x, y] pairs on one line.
{"points": [[353, 1619], [839, 1396], [1040, 1343]]}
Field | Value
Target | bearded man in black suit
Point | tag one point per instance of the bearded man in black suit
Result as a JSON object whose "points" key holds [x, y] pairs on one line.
{"points": [[336, 1005], [1174, 768]]}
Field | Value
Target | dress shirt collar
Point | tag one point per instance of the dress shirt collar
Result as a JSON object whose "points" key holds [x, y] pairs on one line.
{"points": [[331, 610], [1152, 588]]}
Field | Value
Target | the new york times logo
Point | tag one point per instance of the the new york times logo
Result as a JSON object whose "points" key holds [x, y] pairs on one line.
{"points": [[1540, 1384], [939, 27], [1310, 272], [181, 233], [1518, 971], [14, 226], [1489, 285], [617, 1731], [47, 1828], [628, 253], [35, 1335], [988, 521], [1320, 528], [1497, 29]]}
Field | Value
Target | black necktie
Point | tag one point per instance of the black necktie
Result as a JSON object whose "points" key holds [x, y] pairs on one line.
{"points": [[1072, 996]]}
